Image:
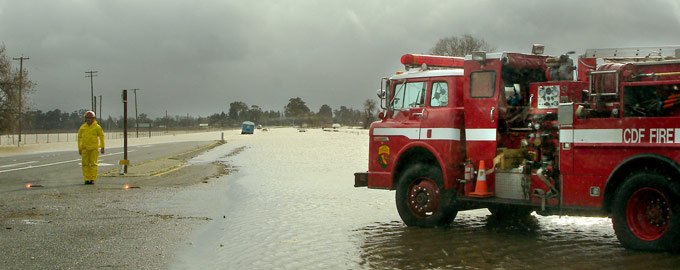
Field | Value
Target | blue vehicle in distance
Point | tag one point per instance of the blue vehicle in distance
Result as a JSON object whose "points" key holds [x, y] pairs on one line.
{"points": [[247, 127]]}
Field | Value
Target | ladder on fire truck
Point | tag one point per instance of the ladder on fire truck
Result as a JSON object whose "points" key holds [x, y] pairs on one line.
{"points": [[639, 54]]}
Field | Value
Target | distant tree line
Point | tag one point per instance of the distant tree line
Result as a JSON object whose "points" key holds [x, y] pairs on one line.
{"points": [[57, 120], [296, 113]]}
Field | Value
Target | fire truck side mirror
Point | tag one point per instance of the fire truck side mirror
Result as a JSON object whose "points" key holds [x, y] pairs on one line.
{"points": [[380, 93]]}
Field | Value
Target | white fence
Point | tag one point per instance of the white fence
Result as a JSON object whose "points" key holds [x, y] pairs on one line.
{"points": [[40, 138]]}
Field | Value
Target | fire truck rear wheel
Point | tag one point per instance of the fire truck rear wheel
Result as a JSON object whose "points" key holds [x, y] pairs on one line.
{"points": [[646, 213], [421, 199]]}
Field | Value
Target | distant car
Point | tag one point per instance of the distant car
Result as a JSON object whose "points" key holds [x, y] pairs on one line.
{"points": [[302, 129], [247, 127], [259, 127]]}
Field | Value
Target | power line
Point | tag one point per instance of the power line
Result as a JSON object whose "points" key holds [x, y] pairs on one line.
{"points": [[101, 117]]}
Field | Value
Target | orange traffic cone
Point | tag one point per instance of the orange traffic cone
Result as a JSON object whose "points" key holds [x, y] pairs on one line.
{"points": [[480, 188]]}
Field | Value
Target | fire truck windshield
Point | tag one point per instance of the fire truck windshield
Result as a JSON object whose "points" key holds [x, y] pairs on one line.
{"points": [[408, 95]]}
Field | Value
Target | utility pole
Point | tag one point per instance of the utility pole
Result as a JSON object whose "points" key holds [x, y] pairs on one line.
{"points": [[136, 116], [125, 162], [91, 75], [166, 121], [100, 108], [21, 81]]}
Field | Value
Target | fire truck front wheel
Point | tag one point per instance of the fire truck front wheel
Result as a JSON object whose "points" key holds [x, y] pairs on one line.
{"points": [[646, 213], [421, 199]]}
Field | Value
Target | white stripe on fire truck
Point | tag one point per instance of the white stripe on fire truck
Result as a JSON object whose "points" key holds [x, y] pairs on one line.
{"points": [[599, 136], [480, 134], [452, 134], [411, 133], [566, 136], [591, 136]]}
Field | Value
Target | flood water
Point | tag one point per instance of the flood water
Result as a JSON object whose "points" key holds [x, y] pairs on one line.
{"points": [[290, 204]]}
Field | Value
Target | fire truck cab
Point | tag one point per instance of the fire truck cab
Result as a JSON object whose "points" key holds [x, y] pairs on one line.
{"points": [[517, 133]]}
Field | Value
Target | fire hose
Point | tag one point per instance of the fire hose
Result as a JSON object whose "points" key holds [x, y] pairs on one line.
{"points": [[542, 194], [671, 101]]}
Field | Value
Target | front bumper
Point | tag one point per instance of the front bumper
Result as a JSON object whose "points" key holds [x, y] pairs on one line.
{"points": [[361, 179]]}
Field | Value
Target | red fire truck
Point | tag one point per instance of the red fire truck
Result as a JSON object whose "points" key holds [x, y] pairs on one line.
{"points": [[517, 133]]}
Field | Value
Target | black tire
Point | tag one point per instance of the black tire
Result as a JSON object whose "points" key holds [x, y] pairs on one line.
{"points": [[646, 213], [421, 199], [510, 211]]}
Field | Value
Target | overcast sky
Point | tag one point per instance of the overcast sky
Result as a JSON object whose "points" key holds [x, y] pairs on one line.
{"points": [[196, 57]]}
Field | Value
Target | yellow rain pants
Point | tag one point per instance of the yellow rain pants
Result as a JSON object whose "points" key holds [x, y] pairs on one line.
{"points": [[89, 161], [90, 138]]}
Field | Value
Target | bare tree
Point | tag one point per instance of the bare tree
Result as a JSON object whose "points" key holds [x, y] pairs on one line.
{"points": [[460, 46], [9, 92], [369, 108], [7, 97]]}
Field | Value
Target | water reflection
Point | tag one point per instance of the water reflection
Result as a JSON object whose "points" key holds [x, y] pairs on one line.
{"points": [[524, 225], [478, 240]]}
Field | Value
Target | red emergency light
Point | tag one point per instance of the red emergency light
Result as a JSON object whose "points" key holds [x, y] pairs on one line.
{"points": [[432, 60]]}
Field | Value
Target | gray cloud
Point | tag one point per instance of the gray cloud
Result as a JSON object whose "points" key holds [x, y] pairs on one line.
{"points": [[198, 56]]}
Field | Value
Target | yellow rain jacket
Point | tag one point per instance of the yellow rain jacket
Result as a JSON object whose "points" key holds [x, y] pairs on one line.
{"points": [[90, 138]]}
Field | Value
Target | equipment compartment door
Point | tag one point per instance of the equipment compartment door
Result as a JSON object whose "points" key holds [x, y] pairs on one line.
{"points": [[481, 116]]}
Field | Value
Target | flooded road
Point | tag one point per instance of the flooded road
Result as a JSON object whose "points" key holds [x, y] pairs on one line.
{"points": [[289, 203]]}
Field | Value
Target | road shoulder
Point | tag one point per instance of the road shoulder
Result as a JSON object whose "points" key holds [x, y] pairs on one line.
{"points": [[88, 227]]}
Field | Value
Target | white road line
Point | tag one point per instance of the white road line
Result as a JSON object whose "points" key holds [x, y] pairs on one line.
{"points": [[55, 163], [38, 166], [17, 164]]}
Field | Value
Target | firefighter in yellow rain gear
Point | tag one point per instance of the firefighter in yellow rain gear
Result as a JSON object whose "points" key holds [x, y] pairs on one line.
{"points": [[90, 138]]}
